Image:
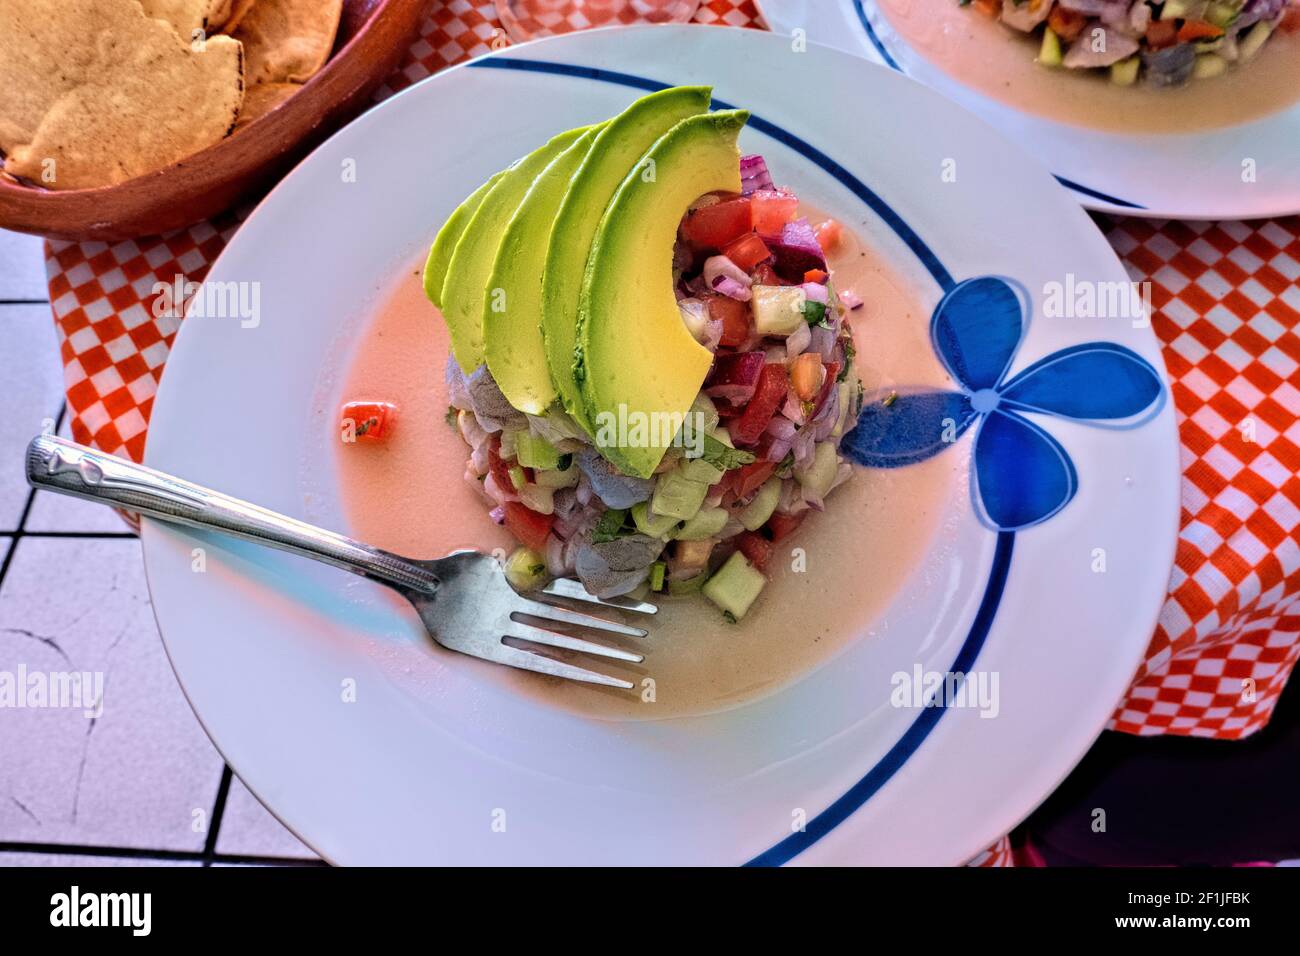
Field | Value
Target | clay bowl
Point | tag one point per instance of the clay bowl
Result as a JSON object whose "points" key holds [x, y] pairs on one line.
{"points": [[373, 36]]}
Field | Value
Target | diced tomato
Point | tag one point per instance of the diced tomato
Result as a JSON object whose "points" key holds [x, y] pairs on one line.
{"points": [[716, 225], [807, 375], [815, 275], [1193, 30], [755, 547], [773, 208], [766, 275], [747, 479], [367, 421], [498, 467], [530, 527], [747, 251], [1290, 20], [1162, 33], [828, 234], [782, 525], [773, 386], [734, 316], [1066, 24], [989, 8]]}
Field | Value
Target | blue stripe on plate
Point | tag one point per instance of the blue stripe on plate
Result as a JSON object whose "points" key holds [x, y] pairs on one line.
{"points": [[1069, 184], [928, 719], [893, 761]]}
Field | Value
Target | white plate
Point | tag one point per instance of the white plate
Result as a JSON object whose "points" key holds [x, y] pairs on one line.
{"points": [[1184, 176], [417, 769]]}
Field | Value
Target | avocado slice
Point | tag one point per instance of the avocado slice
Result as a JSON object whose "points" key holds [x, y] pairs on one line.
{"points": [[618, 148], [512, 333], [435, 267], [633, 350], [465, 288]]}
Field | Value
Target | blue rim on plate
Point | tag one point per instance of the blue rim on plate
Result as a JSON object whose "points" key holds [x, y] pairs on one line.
{"points": [[893, 65], [1020, 477]]}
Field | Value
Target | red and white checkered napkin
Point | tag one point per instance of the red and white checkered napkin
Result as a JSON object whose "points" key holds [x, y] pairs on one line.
{"points": [[1228, 312]]}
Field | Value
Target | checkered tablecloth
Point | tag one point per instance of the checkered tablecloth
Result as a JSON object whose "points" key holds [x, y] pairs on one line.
{"points": [[1227, 298]]}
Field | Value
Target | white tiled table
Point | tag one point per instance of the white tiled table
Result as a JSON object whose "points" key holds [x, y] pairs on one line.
{"points": [[141, 783]]}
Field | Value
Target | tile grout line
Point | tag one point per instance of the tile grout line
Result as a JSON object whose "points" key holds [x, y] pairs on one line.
{"points": [[136, 853], [24, 301], [218, 813]]}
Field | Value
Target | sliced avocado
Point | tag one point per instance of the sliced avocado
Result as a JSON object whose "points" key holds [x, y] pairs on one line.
{"points": [[617, 149], [633, 350], [512, 334], [435, 267], [465, 288]]}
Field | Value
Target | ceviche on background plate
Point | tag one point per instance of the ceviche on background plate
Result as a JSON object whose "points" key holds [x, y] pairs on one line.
{"points": [[651, 364], [1161, 43]]}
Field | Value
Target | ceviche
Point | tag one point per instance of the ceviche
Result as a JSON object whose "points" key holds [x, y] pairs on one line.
{"points": [[651, 365], [1163, 44]]}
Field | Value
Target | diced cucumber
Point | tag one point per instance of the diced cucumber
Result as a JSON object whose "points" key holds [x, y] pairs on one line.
{"points": [[735, 585], [778, 309], [535, 452], [756, 513], [507, 449], [657, 571], [705, 524], [703, 406], [722, 435], [687, 585], [653, 525], [1049, 54], [1174, 9], [818, 477], [525, 569], [1209, 65], [555, 478], [1253, 40], [677, 496], [845, 397], [517, 477], [1125, 72], [697, 469]]}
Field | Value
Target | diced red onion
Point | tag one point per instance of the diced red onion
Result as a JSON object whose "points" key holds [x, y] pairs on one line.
{"points": [[822, 341], [793, 409], [781, 427], [695, 316], [498, 514], [734, 376], [754, 174], [850, 299], [804, 447], [816, 292], [716, 266], [827, 417], [775, 354], [731, 288], [778, 450], [797, 341], [796, 250]]}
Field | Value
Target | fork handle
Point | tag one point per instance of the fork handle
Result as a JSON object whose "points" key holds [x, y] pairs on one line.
{"points": [[57, 464]]}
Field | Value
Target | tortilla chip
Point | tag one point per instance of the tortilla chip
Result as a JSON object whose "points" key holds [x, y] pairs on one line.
{"points": [[189, 16], [93, 92], [262, 98], [288, 41], [238, 10]]}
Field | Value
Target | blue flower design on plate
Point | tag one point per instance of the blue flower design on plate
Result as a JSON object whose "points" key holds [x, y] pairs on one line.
{"points": [[1021, 475]]}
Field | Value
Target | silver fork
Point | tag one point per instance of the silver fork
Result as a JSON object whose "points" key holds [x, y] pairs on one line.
{"points": [[464, 600]]}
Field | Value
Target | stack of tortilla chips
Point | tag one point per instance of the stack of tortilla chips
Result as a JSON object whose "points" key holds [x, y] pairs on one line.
{"points": [[95, 92]]}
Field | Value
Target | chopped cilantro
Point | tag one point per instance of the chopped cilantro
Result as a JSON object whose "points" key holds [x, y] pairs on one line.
{"points": [[849, 353], [814, 312], [610, 526], [729, 617], [450, 417], [721, 456]]}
